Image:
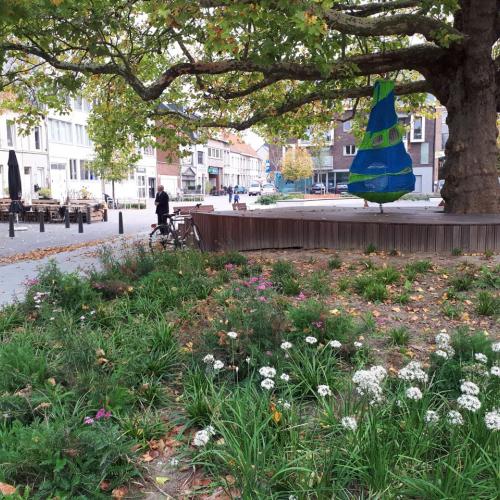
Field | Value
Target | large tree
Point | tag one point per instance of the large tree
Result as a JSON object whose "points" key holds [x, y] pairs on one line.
{"points": [[278, 64]]}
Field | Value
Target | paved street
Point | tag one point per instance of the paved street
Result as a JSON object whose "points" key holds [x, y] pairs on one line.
{"points": [[136, 224]]}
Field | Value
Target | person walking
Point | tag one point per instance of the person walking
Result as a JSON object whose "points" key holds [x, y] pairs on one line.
{"points": [[161, 202], [236, 198], [230, 193]]}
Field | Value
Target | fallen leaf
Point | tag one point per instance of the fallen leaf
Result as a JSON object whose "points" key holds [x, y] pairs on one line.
{"points": [[161, 480], [7, 489], [119, 493]]}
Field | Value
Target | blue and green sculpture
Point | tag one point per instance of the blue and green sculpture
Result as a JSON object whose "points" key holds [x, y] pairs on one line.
{"points": [[382, 169]]}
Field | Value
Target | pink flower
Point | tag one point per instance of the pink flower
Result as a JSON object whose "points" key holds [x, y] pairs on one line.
{"points": [[262, 298], [261, 287], [254, 279], [229, 267], [237, 289], [301, 296], [88, 420], [318, 324], [102, 413]]}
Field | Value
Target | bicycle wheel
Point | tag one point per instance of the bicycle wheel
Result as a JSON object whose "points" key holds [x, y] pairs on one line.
{"points": [[161, 238]]}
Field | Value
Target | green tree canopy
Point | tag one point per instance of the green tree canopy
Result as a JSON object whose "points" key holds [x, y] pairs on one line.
{"points": [[279, 65]]}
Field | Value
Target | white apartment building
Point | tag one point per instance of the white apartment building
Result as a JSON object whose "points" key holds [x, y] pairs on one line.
{"points": [[58, 155], [31, 155]]}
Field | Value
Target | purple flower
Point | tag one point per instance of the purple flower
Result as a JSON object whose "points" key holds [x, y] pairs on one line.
{"points": [[318, 324], [301, 296], [102, 413], [261, 287], [88, 420]]}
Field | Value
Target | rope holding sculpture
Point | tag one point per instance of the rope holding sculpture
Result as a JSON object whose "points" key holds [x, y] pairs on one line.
{"points": [[381, 171]]}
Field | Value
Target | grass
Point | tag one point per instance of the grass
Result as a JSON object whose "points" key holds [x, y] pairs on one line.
{"points": [[95, 371]]}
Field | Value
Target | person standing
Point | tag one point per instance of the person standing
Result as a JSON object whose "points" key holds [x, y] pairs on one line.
{"points": [[161, 202], [230, 193]]}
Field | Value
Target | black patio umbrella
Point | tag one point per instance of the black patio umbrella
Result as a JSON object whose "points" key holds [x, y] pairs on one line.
{"points": [[15, 188]]}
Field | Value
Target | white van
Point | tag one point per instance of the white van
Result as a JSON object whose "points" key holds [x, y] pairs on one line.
{"points": [[254, 189]]}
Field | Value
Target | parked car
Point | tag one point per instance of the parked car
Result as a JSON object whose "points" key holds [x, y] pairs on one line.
{"points": [[240, 190], [341, 188], [268, 189], [318, 188], [254, 189]]}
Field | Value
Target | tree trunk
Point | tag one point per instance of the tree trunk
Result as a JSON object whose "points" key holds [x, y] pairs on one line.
{"points": [[471, 178]]}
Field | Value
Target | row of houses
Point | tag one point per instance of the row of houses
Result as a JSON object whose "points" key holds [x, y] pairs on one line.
{"points": [[57, 155]]}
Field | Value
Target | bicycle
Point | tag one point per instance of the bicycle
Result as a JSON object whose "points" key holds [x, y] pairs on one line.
{"points": [[177, 231]]}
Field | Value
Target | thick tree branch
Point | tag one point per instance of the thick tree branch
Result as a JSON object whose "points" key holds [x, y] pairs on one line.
{"points": [[414, 57], [399, 24], [294, 103], [365, 10]]}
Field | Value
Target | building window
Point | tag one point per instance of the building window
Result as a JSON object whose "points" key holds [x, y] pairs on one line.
{"points": [[200, 157], [86, 173], [424, 153], [141, 186], [11, 134], [60, 131], [80, 136], [73, 170], [27, 170], [86, 138], [349, 150], [347, 126], [38, 138], [78, 103], [215, 153], [149, 151], [417, 129], [87, 105]]}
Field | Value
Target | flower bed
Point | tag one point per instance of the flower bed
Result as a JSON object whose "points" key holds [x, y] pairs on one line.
{"points": [[276, 378]]}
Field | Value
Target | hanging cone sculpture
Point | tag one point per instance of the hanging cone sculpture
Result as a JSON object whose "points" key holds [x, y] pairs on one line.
{"points": [[382, 170]]}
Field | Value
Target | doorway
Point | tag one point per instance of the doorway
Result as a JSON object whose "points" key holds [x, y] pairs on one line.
{"points": [[152, 187]]}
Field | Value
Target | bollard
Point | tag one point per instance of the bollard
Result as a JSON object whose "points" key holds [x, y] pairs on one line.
{"points": [[80, 222], [66, 218], [11, 225], [105, 215], [41, 219], [120, 223], [88, 215]]}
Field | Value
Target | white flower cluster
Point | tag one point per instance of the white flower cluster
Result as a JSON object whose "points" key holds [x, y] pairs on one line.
{"points": [[324, 390], [201, 438], [216, 363], [285, 377], [267, 372], [495, 370], [232, 335], [468, 399], [311, 340], [413, 371], [39, 297], [286, 345], [414, 393], [444, 349], [492, 420], [469, 402], [481, 358], [495, 347], [454, 418], [335, 344], [469, 388], [349, 423], [368, 382], [267, 383], [358, 345], [431, 417], [284, 404]]}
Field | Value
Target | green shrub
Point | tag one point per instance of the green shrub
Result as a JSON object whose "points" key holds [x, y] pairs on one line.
{"points": [[399, 336], [456, 252], [334, 262], [219, 261], [319, 283], [344, 284], [371, 248], [462, 283], [487, 304], [284, 276]]}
